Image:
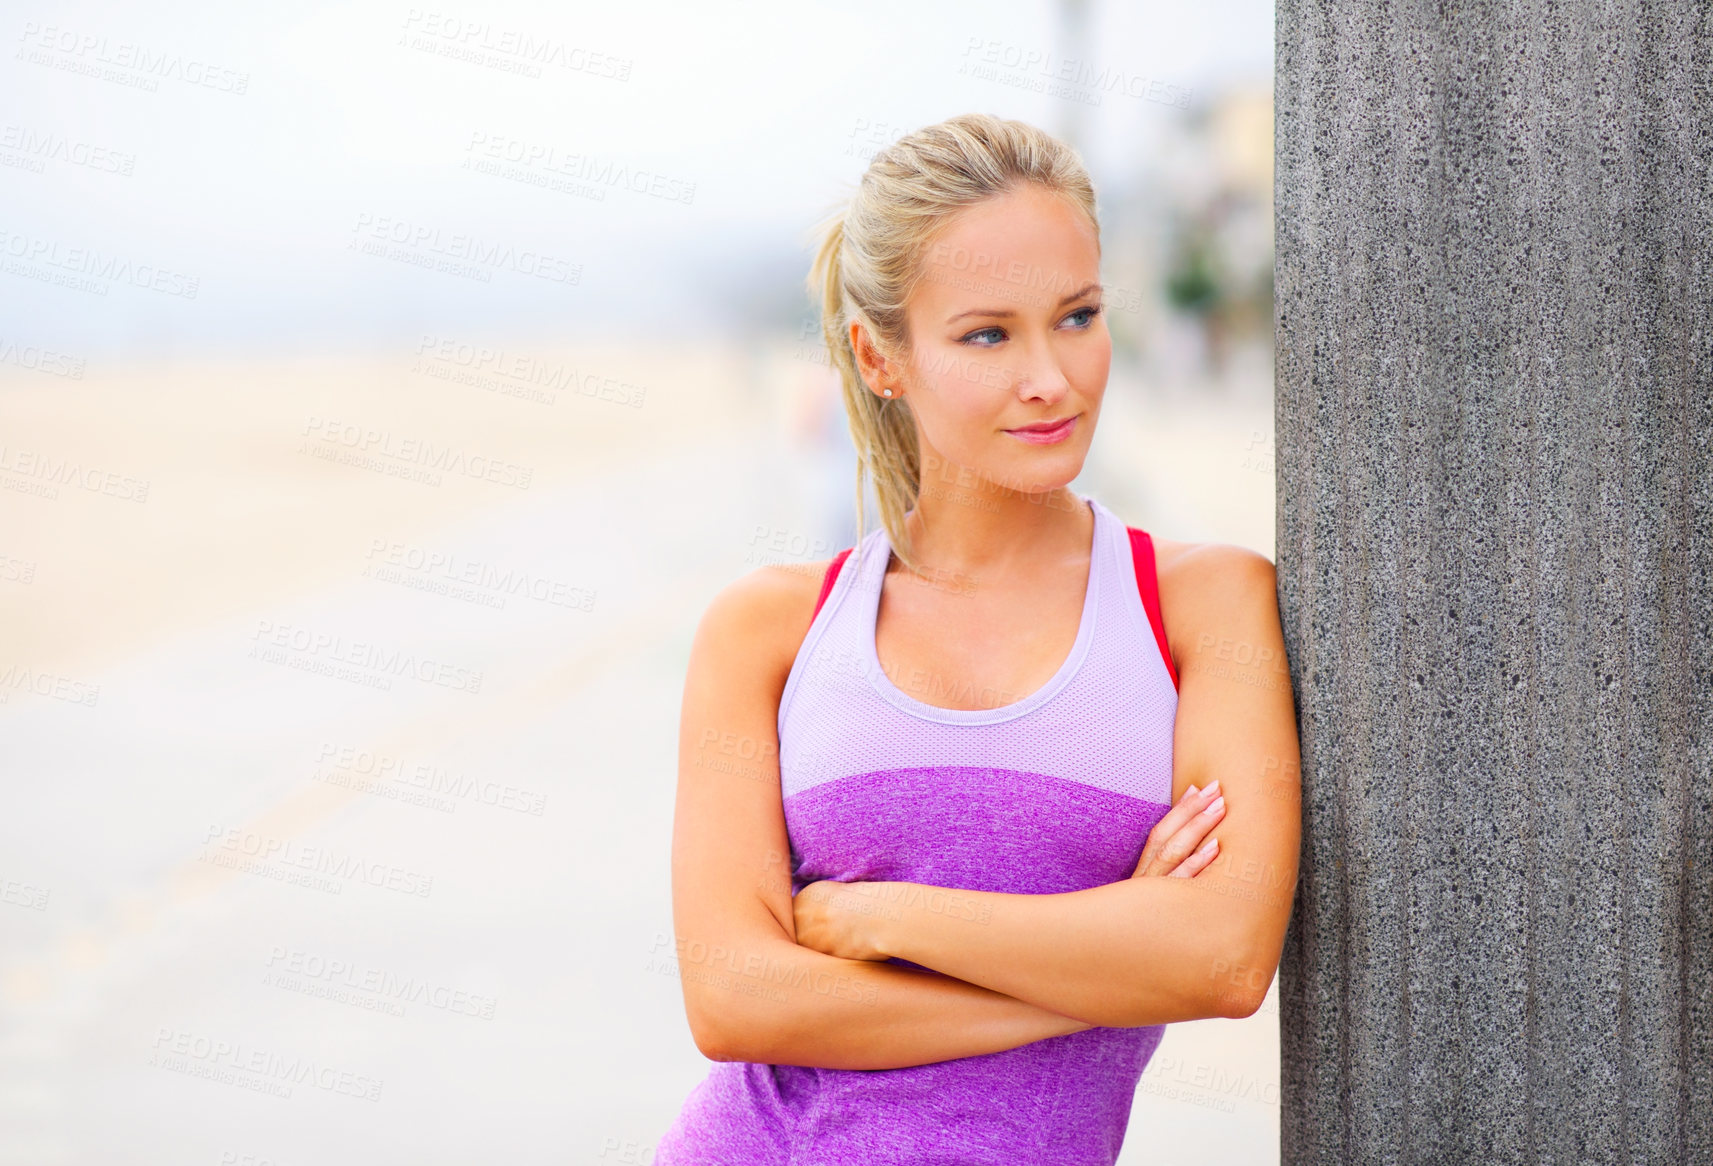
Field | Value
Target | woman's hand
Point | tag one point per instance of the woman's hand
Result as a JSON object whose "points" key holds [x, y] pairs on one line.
{"points": [[1171, 849], [840, 919], [846, 919]]}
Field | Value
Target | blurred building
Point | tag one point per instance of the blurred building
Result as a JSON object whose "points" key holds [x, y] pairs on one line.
{"points": [[1219, 255], [1190, 252]]}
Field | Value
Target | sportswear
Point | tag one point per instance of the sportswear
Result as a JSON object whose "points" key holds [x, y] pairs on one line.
{"points": [[1054, 792]]}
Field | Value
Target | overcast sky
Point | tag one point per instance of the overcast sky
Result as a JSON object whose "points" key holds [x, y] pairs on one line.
{"points": [[252, 156]]}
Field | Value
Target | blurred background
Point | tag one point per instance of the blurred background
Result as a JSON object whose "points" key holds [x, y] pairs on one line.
{"points": [[384, 391]]}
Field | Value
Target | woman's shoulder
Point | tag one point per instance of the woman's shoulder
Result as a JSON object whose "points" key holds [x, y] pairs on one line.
{"points": [[766, 612], [1209, 588], [1205, 562]]}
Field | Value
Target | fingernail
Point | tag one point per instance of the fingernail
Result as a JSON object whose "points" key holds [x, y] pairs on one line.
{"points": [[1216, 805], [1191, 792], [1212, 844], [1212, 788]]}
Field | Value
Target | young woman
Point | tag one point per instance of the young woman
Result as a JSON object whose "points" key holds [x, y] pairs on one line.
{"points": [[968, 814]]}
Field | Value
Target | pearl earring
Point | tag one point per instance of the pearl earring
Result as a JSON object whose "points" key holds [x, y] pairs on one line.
{"points": [[887, 392]]}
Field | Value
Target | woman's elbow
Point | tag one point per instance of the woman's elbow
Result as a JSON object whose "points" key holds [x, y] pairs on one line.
{"points": [[1205, 998], [711, 1040], [715, 1035], [1242, 977], [724, 1033], [1241, 1002], [1230, 979]]}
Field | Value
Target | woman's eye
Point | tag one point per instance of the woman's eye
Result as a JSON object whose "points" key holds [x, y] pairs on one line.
{"points": [[998, 334], [1090, 313]]}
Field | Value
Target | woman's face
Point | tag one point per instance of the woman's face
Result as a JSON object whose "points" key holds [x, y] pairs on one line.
{"points": [[1007, 332]]}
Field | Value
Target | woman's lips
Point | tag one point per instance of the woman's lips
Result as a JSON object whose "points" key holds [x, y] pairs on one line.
{"points": [[1051, 436]]}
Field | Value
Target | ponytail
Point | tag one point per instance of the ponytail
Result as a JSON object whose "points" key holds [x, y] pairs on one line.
{"points": [[883, 429]]}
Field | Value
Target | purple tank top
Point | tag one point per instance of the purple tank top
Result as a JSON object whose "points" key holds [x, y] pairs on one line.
{"points": [[1055, 792]]}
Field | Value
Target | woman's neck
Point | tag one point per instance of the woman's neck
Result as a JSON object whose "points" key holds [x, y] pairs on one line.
{"points": [[988, 531]]}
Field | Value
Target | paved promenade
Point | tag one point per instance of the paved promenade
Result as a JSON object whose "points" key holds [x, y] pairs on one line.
{"points": [[339, 707]]}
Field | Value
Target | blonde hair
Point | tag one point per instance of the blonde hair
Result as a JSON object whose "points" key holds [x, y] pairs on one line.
{"points": [[868, 261]]}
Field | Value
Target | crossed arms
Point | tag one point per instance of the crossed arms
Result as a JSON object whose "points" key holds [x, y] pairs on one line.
{"points": [[1007, 969]]}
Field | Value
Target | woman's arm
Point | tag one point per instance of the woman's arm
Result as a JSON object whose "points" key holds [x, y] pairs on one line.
{"points": [[750, 991], [1146, 950]]}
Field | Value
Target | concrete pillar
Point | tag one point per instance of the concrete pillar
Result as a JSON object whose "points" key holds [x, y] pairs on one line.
{"points": [[1495, 544]]}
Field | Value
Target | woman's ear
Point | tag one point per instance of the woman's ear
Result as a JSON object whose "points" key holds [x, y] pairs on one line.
{"points": [[877, 372]]}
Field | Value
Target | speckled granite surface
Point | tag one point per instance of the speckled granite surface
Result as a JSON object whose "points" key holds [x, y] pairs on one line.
{"points": [[1495, 543]]}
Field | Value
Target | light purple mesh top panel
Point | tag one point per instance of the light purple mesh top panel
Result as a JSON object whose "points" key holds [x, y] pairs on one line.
{"points": [[1105, 719], [1053, 793]]}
